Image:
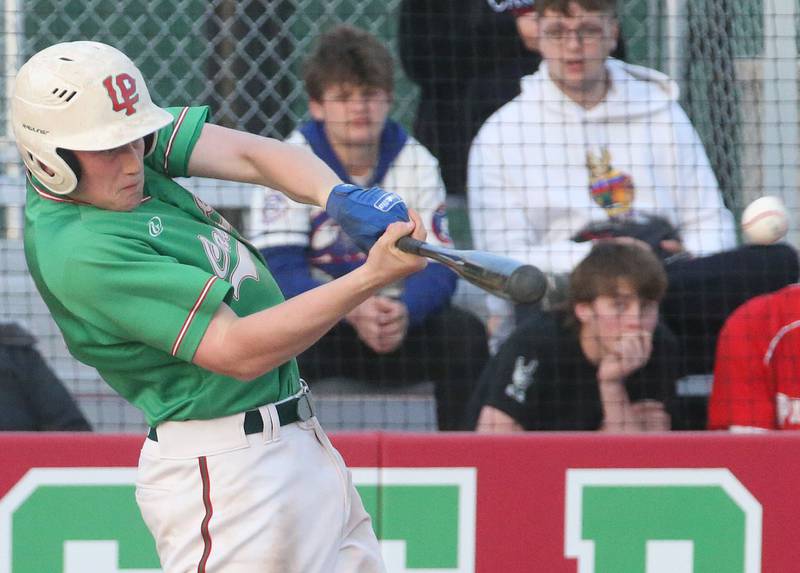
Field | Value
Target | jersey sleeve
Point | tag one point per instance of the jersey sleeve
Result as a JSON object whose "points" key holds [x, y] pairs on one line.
{"points": [[136, 295], [175, 142], [741, 394]]}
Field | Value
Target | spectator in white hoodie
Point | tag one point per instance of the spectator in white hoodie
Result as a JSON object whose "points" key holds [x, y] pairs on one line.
{"points": [[591, 138]]}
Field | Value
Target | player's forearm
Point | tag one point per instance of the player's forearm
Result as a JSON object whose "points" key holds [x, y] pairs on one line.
{"points": [[247, 347], [299, 173], [223, 153]]}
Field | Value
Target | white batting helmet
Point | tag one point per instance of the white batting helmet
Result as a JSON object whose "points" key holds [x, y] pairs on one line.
{"points": [[83, 96]]}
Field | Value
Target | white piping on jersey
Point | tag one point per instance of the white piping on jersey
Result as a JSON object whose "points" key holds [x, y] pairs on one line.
{"points": [[777, 338], [192, 313], [172, 137]]}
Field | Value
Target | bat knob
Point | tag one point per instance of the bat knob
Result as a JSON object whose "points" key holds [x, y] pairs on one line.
{"points": [[526, 285]]}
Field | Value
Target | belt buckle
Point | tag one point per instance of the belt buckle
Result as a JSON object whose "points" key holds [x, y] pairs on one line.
{"points": [[305, 410]]}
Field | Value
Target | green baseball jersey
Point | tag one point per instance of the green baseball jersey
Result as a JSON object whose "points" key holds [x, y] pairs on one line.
{"points": [[133, 292]]}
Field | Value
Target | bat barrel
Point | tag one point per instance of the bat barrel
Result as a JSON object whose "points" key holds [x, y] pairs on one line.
{"points": [[501, 276], [526, 285]]}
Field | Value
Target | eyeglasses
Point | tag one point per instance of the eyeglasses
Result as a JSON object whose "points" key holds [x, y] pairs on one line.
{"points": [[585, 34]]}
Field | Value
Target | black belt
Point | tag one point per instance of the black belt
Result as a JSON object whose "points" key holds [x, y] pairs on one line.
{"points": [[297, 409]]}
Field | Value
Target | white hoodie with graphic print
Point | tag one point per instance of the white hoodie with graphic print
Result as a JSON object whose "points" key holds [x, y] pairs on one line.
{"points": [[529, 183]]}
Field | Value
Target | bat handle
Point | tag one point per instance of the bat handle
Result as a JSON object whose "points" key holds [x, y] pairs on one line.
{"points": [[411, 245], [414, 246]]}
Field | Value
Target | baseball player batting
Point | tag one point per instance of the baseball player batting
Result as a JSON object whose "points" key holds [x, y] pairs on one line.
{"points": [[181, 317]]}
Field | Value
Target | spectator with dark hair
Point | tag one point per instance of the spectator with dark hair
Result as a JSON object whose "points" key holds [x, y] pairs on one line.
{"points": [[32, 398], [603, 363], [403, 335]]}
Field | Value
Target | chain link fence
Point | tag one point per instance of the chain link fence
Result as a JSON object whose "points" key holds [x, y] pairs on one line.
{"points": [[736, 61]]}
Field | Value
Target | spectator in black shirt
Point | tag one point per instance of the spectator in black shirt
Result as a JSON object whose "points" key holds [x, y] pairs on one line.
{"points": [[605, 364]]}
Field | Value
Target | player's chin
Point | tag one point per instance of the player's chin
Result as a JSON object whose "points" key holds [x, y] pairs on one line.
{"points": [[129, 197]]}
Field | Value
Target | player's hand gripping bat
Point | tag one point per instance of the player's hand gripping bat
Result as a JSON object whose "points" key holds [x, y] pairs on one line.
{"points": [[497, 275]]}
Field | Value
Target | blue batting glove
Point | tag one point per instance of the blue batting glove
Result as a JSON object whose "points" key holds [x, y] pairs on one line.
{"points": [[364, 214]]}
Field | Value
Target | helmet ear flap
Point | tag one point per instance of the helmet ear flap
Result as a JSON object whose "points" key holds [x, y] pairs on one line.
{"points": [[71, 160], [52, 169]]}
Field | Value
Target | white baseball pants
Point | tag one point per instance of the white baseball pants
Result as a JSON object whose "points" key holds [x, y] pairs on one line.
{"points": [[219, 501]]}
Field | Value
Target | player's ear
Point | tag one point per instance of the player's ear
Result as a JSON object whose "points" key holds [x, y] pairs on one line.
{"points": [[528, 29], [583, 312], [316, 110], [613, 37]]}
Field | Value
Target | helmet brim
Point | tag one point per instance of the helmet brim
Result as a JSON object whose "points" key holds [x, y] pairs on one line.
{"points": [[110, 137]]}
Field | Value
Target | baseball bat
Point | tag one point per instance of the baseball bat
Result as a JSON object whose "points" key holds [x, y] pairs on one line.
{"points": [[497, 275]]}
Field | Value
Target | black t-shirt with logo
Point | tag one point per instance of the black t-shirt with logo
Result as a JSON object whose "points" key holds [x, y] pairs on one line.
{"points": [[541, 378]]}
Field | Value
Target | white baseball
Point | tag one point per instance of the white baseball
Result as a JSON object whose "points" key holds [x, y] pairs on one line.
{"points": [[765, 221]]}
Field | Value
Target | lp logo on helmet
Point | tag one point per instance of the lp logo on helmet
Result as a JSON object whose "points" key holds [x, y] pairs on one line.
{"points": [[123, 95]]}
